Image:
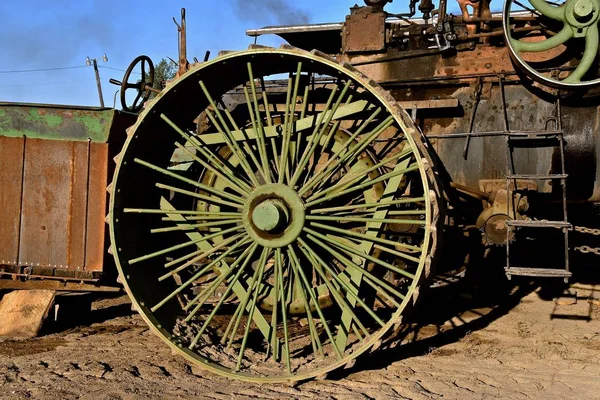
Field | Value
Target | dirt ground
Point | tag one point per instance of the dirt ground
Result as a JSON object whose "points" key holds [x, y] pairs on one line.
{"points": [[517, 341]]}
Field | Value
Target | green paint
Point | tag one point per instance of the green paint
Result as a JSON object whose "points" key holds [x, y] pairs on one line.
{"points": [[50, 122]]}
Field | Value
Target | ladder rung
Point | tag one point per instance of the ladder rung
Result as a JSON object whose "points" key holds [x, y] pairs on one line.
{"points": [[533, 134], [541, 272], [535, 141], [538, 224], [534, 176]]}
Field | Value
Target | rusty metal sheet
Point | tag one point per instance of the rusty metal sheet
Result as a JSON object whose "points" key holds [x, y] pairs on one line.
{"points": [[54, 213], [96, 207], [11, 177], [364, 30]]}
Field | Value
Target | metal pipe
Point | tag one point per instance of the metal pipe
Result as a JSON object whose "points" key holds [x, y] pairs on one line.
{"points": [[95, 63]]}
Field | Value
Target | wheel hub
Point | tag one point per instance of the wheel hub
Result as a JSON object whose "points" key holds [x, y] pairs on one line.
{"points": [[581, 14], [271, 216], [274, 215], [583, 9]]}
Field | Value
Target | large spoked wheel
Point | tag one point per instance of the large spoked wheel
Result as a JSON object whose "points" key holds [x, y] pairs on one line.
{"points": [[564, 37], [271, 215]]}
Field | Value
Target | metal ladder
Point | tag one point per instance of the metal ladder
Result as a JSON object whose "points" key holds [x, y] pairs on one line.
{"points": [[535, 140]]}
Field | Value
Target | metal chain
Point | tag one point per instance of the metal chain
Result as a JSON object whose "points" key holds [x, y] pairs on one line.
{"points": [[587, 249], [583, 229]]}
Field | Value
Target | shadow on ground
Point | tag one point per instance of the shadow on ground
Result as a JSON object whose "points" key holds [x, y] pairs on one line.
{"points": [[448, 314]]}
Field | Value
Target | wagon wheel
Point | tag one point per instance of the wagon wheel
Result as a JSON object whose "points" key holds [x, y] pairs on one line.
{"points": [[272, 230], [564, 25]]}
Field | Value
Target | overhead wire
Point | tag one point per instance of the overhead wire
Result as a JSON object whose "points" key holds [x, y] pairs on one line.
{"points": [[117, 69], [43, 83], [20, 71]]}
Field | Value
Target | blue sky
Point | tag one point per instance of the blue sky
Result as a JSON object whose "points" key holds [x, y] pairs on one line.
{"points": [[62, 33]]}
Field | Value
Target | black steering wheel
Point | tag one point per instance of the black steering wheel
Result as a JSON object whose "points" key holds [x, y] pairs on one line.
{"points": [[143, 85]]}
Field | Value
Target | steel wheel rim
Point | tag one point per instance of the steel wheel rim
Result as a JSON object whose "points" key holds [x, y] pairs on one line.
{"points": [[116, 213]]}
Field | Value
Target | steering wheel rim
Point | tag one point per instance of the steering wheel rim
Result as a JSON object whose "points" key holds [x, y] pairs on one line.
{"points": [[140, 85], [578, 22]]}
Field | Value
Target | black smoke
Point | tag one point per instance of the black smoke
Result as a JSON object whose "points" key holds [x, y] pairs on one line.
{"points": [[279, 12], [58, 33]]}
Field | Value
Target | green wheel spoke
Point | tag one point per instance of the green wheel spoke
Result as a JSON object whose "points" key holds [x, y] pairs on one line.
{"points": [[244, 301], [589, 55], [186, 284], [314, 335], [348, 157], [246, 257], [360, 175], [371, 279], [238, 238], [226, 133], [261, 268], [176, 247], [207, 199], [287, 117], [298, 141], [184, 212], [204, 218], [190, 227], [397, 253], [561, 37], [364, 185], [206, 188], [316, 142], [358, 219], [266, 102], [358, 253], [343, 284], [381, 204], [233, 145], [311, 145], [548, 10], [342, 304], [257, 120], [361, 236], [200, 241], [325, 146], [335, 160], [247, 146], [209, 155], [234, 318], [284, 306], [278, 276], [298, 270], [235, 183]]}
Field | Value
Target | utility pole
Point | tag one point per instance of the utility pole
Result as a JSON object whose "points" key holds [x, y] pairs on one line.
{"points": [[98, 83], [94, 62]]}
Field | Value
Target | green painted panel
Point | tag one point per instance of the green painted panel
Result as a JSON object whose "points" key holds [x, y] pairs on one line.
{"points": [[41, 121]]}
